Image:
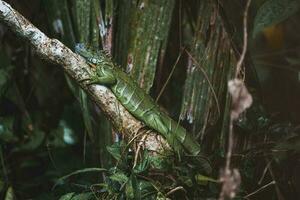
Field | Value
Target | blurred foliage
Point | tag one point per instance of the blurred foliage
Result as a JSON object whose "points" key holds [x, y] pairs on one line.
{"points": [[56, 144], [273, 12]]}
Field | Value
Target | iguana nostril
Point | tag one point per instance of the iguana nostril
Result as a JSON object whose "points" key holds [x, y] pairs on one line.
{"points": [[79, 47]]}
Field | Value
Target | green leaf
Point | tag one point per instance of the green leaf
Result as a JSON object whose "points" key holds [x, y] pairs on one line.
{"points": [[83, 99], [35, 140], [186, 180], [143, 165], [62, 179], [273, 12], [204, 163], [82, 196], [203, 180], [136, 188], [9, 194], [120, 177], [116, 150], [129, 190], [160, 196], [161, 162], [67, 196], [146, 188]]}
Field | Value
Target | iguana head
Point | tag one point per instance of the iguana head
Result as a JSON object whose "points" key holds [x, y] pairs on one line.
{"points": [[93, 57], [89, 55]]}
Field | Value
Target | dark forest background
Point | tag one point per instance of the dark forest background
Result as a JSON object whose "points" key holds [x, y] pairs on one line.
{"points": [[56, 143]]}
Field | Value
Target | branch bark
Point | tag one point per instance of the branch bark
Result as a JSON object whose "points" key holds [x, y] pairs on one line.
{"points": [[54, 51]]}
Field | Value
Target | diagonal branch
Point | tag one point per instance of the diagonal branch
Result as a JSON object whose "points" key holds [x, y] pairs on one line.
{"points": [[54, 51]]}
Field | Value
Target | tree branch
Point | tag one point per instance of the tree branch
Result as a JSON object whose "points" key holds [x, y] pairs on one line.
{"points": [[54, 51]]}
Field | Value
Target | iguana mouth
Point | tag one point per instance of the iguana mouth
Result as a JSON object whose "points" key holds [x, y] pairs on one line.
{"points": [[92, 65], [82, 50]]}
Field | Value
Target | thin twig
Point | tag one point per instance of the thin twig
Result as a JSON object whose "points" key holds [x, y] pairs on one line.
{"points": [[258, 190], [140, 144], [241, 60], [264, 173], [51, 157], [5, 174], [279, 195], [238, 66], [84, 146], [175, 189], [230, 145], [169, 77], [228, 188]]}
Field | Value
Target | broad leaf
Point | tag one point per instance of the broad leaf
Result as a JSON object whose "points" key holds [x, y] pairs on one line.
{"points": [[9, 194], [130, 189], [273, 12], [62, 179], [120, 177], [73, 196], [203, 180], [143, 165], [116, 150], [35, 140], [67, 196]]}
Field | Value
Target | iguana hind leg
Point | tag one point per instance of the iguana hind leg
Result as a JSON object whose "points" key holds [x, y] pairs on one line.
{"points": [[162, 128]]}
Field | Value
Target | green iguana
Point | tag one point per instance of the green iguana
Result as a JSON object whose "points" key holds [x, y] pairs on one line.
{"points": [[136, 101]]}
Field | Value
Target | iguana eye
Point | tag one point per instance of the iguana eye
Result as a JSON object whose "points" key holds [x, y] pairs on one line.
{"points": [[94, 60]]}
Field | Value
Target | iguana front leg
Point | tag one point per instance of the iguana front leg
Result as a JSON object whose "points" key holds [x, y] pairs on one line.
{"points": [[100, 78]]}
